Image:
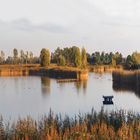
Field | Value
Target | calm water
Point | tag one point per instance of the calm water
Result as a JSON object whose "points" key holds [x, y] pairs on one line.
{"points": [[22, 96]]}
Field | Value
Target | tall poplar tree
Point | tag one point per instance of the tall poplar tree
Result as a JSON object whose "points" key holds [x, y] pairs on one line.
{"points": [[77, 57], [45, 57], [84, 58]]}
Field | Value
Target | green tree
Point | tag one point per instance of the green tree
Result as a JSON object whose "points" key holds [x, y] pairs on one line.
{"points": [[67, 54], [102, 58], [84, 58], [61, 61], [77, 57], [56, 54], [129, 62], [107, 59], [113, 61], [2, 57], [27, 56], [22, 56], [118, 58], [15, 56], [15, 53], [135, 58], [31, 57], [45, 57], [96, 58]]}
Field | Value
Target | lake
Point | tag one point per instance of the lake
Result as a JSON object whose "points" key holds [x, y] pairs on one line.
{"points": [[35, 96]]}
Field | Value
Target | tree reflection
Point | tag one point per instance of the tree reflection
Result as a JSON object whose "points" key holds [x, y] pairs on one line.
{"points": [[81, 85], [135, 88], [45, 84], [84, 86], [78, 86]]}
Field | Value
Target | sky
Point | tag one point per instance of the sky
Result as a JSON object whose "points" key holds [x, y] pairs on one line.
{"points": [[97, 25]]}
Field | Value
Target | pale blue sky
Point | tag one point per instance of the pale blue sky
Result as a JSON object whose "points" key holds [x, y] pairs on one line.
{"points": [[98, 25]]}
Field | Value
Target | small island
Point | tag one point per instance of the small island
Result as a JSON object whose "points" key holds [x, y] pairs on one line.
{"points": [[69, 59]]}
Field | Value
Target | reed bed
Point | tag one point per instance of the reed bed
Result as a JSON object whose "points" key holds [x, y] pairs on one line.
{"points": [[127, 81], [104, 68], [37, 66], [115, 125], [126, 76]]}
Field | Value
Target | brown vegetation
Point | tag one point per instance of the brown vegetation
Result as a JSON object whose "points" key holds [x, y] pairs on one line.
{"points": [[53, 71], [104, 68], [127, 81], [126, 77], [92, 126]]}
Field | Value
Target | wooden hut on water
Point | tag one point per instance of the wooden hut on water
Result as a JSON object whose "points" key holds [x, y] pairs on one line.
{"points": [[108, 100]]}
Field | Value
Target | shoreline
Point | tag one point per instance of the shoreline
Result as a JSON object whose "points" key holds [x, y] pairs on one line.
{"points": [[53, 71]]}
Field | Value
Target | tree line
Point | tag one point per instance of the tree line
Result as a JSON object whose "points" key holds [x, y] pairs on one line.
{"points": [[19, 57], [72, 56]]}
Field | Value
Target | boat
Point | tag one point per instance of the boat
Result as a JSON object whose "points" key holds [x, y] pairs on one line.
{"points": [[108, 100]]}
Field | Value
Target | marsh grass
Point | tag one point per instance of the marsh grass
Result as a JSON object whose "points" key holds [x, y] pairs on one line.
{"points": [[90, 126], [104, 68], [127, 81]]}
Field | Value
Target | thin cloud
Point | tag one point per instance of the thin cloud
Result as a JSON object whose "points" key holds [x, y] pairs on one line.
{"points": [[96, 24], [27, 26]]}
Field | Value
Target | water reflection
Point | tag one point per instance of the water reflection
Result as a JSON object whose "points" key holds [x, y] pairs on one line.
{"points": [[84, 85], [45, 85], [78, 86], [36, 95], [81, 85], [135, 88]]}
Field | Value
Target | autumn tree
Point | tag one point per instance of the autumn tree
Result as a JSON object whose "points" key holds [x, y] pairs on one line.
{"points": [[45, 57], [31, 57], [22, 56], [2, 57], [136, 58], [15, 56], [26, 56], [77, 57], [113, 61], [61, 60], [118, 58], [84, 58]]}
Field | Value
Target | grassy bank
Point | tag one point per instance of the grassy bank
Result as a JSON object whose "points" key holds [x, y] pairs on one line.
{"points": [[127, 81], [52, 71], [91, 126], [69, 68], [91, 68], [37, 66], [104, 68]]}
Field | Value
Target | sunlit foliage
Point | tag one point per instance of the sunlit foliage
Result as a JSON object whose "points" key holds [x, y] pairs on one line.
{"points": [[99, 126]]}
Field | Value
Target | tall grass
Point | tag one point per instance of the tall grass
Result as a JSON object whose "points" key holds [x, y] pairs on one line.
{"points": [[104, 68], [127, 80], [92, 126]]}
